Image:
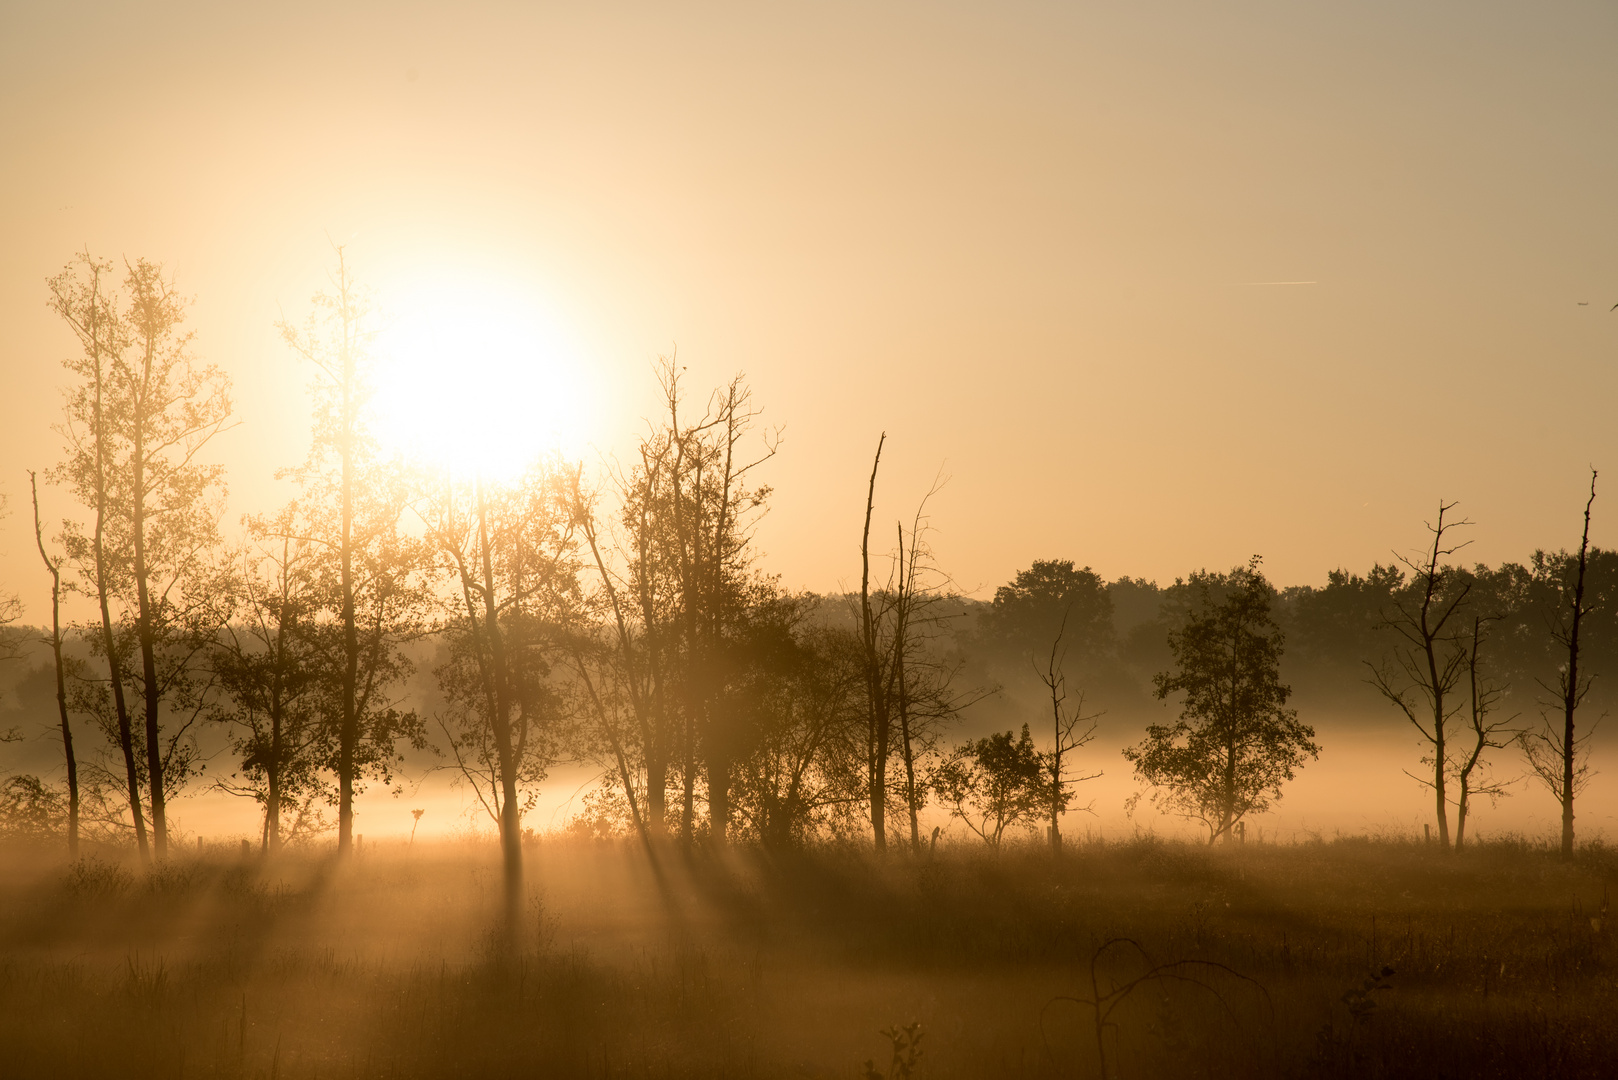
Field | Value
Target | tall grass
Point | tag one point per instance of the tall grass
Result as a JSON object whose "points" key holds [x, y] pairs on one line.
{"points": [[1338, 958]]}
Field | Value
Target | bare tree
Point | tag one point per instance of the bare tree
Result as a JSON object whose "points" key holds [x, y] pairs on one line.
{"points": [[909, 689], [1486, 734], [879, 722], [1557, 757], [54, 565], [620, 673], [921, 681], [1424, 673], [1071, 730]]}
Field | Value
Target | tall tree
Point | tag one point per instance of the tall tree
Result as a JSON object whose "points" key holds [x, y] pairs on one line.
{"points": [[1235, 742], [271, 658], [908, 681], [1555, 755], [170, 409], [510, 550], [354, 502], [146, 411], [620, 671], [879, 721], [920, 678], [54, 566], [1423, 675], [82, 297]]}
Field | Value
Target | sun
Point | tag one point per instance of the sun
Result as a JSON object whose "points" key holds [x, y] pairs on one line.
{"points": [[478, 379]]}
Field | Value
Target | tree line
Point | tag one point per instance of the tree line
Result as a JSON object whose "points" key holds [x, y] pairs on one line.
{"points": [[625, 619]]}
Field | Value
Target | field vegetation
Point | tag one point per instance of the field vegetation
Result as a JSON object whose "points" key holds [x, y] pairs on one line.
{"points": [[830, 835], [1351, 957]]}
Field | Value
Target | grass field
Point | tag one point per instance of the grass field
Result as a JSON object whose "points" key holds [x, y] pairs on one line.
{"points": [[1502, 964]]}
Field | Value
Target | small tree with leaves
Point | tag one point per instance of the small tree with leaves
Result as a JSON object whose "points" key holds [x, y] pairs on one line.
{"points": [[1235, 742], [994, 784], [271, 659]]}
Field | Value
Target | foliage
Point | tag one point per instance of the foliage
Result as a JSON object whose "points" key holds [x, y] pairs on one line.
{"points": [[372, 574], [1051, 595], [994, 784], [31, 810], [905, 1043], [271, 659], [800, 745], [1235, 742], [509, 549], [136, 420]]}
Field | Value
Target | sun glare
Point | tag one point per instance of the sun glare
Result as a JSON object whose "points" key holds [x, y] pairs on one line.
{"points": [[478, 380]]}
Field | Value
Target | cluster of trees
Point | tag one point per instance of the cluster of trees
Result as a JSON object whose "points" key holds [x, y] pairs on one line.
{"points": [[1491, 666], [626, 621], [623, 621]]}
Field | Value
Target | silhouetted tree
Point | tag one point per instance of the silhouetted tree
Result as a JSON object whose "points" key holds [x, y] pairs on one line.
{"points": [[59, 667], [1556, 756], [1049, 599], [619, 664], [1422, 676], [679, 585], [1071, 730], [136, 428], [915, 610], [82, 298], [878, 696], [1333, 629], [994, 784], [1486, 734], [799, 768], [372, 569], [510, 551], [272, 658], [909, 686], [1235, 742]]}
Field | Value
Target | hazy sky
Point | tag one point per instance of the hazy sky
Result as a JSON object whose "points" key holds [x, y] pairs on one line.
{"points": [[1018, 237]]}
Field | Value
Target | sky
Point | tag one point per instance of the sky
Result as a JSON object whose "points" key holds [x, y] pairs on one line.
{"points": [[1028, 241]]}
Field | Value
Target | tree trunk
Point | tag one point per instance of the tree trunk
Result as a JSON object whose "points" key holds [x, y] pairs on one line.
{"points": [[877, 718], [505, 746], [900, 634], [349, 734], [61, 680], [146, 634], [126, 734], [1571, 695]]}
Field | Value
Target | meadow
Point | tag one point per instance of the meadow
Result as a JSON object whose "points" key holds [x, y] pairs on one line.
{"points": [[1348, 957]]}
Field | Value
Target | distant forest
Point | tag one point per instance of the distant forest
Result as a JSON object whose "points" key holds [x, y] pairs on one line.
{"points": [[626, 620], [1335, 634]]}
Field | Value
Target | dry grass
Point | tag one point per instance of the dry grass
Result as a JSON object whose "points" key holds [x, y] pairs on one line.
{"points": [[392, 967]]}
